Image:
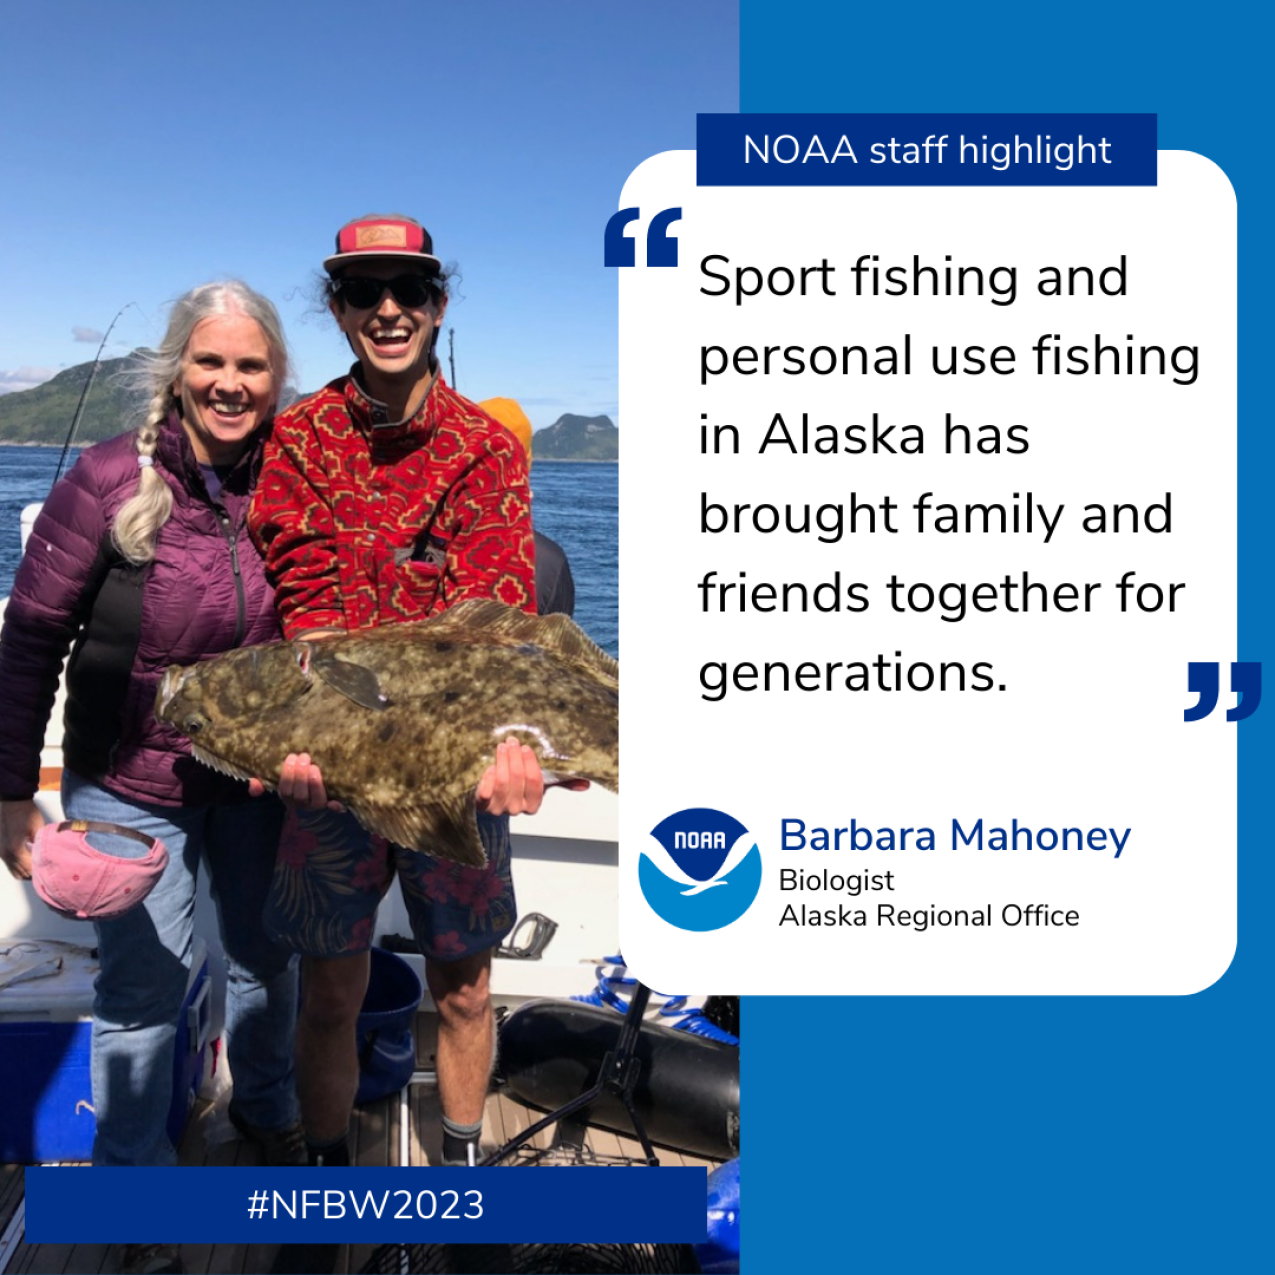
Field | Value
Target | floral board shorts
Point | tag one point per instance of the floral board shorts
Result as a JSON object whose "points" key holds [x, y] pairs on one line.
{"points": [[331, 874]]}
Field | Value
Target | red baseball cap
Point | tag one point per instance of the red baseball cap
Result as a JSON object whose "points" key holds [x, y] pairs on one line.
{"points": [[380, 235], [85, 883]]}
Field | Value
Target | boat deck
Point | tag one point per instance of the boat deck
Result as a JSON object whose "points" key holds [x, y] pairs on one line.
{"points": [[376, 1140]]}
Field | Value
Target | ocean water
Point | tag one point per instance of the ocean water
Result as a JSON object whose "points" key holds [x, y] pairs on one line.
{"points": [[26, 474], [578, 505], [575, 504]]}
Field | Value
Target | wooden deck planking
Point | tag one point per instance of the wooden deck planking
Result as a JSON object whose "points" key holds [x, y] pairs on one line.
{"points": [[200, 1259], [59, 1259], [354, 1257], [374, 1134], [49, 1259], [512, 1118], [11, 1191], [86, 1259]]}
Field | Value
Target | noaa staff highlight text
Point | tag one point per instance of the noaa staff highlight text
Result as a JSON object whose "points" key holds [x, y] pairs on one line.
{"points": [[928, 500]]}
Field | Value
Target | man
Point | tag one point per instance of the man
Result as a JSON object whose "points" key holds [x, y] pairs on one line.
{"points": [[388, 497]]}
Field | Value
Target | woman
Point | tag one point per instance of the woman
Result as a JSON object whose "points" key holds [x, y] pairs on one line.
{"points": [[141, 558]]}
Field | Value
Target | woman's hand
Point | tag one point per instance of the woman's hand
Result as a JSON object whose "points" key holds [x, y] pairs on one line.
{"points": [[19, 822], [515, 784], [300, 785]]}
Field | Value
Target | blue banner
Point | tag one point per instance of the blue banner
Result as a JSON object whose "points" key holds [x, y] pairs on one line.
{"points": [[790, 149], [1005, 1096], [360, 1206]]}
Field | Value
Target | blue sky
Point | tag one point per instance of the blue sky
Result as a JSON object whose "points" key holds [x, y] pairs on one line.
{"points": [[151, 146]]}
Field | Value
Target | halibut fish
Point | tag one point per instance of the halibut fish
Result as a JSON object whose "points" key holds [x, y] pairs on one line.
{"points": [[403, 720]]}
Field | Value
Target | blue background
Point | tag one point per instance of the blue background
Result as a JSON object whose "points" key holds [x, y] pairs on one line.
{"points": [[1078, 1134]]}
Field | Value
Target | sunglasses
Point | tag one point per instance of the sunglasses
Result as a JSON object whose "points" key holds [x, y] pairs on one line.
{"points": [[411, 290]]}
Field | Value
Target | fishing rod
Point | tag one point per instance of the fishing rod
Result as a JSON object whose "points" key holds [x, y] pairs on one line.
{"points": [[84, 393]]}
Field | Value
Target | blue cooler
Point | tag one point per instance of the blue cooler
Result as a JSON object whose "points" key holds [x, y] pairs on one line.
{"points": [[45, 1042]]}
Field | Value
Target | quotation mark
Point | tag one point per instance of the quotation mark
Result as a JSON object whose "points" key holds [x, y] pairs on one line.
{"points": [[1246, 682], [661, 247]]}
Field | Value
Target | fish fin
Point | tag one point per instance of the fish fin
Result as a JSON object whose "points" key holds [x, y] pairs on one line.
{"points": [[447, 830], [557, 633], [354, 681], [220, 764]]}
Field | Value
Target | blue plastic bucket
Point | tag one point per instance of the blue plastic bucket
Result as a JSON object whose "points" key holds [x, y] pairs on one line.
{"points": [[387, 1051]]}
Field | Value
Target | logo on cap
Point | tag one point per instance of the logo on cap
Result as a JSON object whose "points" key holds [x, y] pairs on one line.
{"points": [[380, 236]]}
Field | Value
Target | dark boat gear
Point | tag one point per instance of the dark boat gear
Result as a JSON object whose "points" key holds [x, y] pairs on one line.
{"points": [[532, 1259], [723, 1012], [678, 1088]]}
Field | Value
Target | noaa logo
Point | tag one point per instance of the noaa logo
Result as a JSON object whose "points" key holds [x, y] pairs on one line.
{"points": [[685, 879]]}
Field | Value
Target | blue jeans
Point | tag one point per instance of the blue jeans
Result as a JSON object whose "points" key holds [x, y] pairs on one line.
{"points": [[145, 967]]}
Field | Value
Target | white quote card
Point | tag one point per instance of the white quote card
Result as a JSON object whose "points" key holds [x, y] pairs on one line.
{"points": [[836, 501]]}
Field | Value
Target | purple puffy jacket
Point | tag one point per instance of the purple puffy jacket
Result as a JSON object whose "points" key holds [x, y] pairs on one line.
{"points": [[205, 592]]}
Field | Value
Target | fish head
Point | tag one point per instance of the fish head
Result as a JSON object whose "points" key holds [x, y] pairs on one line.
{"points": [[229, 706]]}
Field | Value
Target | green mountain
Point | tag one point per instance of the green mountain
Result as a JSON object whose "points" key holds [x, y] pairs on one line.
{"points": [[44, 414], [577, 438]]}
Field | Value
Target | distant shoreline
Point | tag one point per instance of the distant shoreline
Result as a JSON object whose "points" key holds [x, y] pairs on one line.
{"points": [[548, 460]]}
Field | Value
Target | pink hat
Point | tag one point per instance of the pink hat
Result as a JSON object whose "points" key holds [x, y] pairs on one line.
{"points": [[90, 885]]}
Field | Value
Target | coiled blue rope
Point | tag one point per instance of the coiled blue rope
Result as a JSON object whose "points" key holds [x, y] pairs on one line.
{"points": [[613, 974]]}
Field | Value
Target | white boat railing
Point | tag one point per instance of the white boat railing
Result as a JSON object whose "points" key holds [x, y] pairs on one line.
{"points": [[29, 514]]}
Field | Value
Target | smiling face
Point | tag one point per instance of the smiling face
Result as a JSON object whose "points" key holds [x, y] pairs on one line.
{"points": [[227, 386], [392, 342]]}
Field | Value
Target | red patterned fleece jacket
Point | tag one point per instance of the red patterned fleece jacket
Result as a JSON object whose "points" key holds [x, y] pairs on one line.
{"points": [[363, 522]]}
